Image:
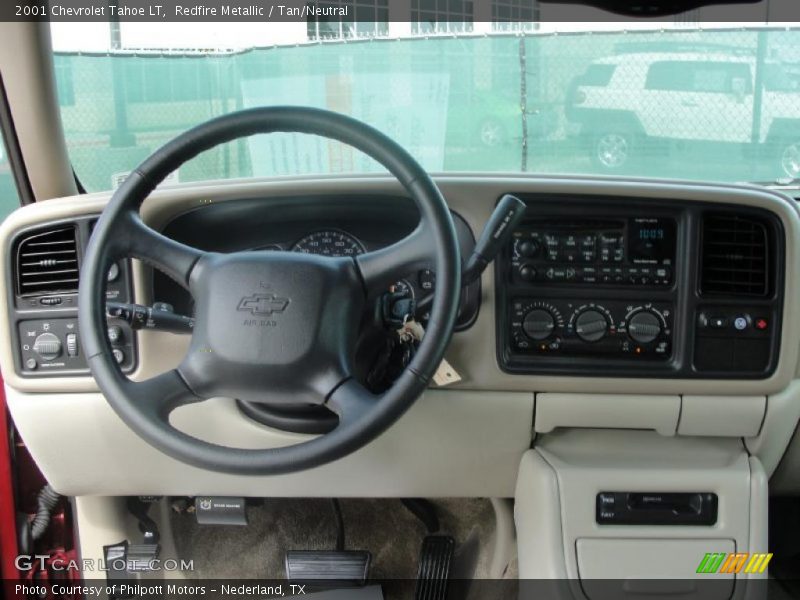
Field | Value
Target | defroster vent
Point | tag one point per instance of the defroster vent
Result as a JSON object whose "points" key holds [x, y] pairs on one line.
{"points": [[735, 256], [47, 262]]}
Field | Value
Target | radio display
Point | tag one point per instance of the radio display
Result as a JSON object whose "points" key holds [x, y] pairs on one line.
{"points": [[652, 241], [651, 234]]}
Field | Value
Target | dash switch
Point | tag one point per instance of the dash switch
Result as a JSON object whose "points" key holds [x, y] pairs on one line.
{"points": [[72, 344]]}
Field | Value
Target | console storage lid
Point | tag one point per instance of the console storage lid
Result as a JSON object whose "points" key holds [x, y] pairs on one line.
{"points": [[636, 568]]}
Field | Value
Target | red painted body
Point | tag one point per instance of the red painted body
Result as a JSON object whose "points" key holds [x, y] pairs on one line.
{"points": [[8, 513], [20, 483]]}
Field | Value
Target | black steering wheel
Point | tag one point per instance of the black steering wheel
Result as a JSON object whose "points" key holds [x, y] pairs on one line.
{"points": [[272, 327]]}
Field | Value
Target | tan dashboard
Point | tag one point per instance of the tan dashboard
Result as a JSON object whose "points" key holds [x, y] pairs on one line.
{"points": [[483, 424], [473, 351]]}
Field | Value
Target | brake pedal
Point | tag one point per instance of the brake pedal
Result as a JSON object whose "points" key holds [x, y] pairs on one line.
{"points": [[340, 566], [435, 560]]}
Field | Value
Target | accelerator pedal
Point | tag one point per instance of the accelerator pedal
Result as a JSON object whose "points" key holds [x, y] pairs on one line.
{"points": [[435, 560], [336, 566]]}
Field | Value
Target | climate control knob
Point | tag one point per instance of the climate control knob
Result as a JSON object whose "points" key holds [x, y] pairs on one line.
{"points": [[591, 325], [644, 327], [47, 346], [539, 324]]}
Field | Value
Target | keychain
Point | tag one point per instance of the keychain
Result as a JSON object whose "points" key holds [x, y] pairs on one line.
{"points": [[408, 339], [400, 346], [411, 333]]}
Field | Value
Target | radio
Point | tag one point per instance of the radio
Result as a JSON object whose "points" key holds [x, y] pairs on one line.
{"points": [[599, 286], [583, 328], [601, 259], [638, 251]]}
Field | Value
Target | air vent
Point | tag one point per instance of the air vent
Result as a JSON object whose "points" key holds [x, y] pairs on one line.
{"points": [[735, 256], [47, 263]]}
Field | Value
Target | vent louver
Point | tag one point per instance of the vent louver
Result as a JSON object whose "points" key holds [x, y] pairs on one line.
{"points": [[47, 262], [735, 258]]}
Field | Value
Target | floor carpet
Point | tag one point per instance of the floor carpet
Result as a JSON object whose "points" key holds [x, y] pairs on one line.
{"points": [[383, 527]]}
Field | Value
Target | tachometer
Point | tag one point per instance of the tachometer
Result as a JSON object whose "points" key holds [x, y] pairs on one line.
{"points": [[329, 242]]}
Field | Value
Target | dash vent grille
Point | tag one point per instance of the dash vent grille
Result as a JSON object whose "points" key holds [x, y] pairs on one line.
{"points": [[735, 256], [47, 262]]}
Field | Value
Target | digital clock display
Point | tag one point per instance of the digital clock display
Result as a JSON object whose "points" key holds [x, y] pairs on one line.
{"points": [[652, 241], [652, 234]]}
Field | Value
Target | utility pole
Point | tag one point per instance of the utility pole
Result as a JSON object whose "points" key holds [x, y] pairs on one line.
{"points": [[758, 97], [120, 136], [523, 102]]}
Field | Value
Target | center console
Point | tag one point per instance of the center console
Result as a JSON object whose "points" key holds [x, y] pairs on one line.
{"points": [[639, 288], [634, 514], [624, 495]]}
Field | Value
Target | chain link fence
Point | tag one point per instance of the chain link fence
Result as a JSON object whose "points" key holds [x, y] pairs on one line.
{"points": [[692, 104]]}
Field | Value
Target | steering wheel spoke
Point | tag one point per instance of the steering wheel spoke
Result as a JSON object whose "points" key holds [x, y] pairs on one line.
{"points": [[351, 401], [173, 258], [381, 268], [161, 394]]}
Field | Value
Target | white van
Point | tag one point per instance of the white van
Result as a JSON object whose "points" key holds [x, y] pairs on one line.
{"points": [[621, 102]]}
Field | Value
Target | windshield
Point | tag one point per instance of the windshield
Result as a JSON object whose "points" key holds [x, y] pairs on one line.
{"points": [[697, 103]]}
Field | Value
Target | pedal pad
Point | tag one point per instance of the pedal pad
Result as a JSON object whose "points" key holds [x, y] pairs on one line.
{"points": [[124, 563], [142, 557], [125, 558], [350, 566], [435, 560]]}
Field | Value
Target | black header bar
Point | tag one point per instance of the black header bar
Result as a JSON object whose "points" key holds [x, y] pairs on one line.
{"points": [[249, 11]]}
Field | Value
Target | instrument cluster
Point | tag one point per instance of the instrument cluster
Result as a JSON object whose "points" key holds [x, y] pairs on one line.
{"points": [[324, 242]]}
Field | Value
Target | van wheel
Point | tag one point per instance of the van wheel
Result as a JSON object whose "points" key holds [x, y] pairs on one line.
{"points": [[612, 150], [789, 159]]}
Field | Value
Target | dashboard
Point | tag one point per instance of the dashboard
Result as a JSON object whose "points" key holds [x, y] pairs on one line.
{"points": [[607, 309], [604, 284]]}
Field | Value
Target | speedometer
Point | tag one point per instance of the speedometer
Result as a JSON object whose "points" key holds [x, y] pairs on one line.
{"points": [[329, 242]]}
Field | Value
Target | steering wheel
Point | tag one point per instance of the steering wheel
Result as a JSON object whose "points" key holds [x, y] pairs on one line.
{"points": [[270, 327]]}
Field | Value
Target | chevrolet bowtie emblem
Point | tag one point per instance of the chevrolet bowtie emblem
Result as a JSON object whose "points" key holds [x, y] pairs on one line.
{"points": [[263, 304]]}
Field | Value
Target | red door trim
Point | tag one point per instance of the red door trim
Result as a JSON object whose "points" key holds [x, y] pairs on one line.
{"points": [[8, 513]]}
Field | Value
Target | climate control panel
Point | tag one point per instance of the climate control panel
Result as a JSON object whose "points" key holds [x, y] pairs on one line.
{"points": [[578, 327]]}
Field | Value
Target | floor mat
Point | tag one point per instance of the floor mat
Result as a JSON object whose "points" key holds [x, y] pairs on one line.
{"points": [[384, 527]]}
